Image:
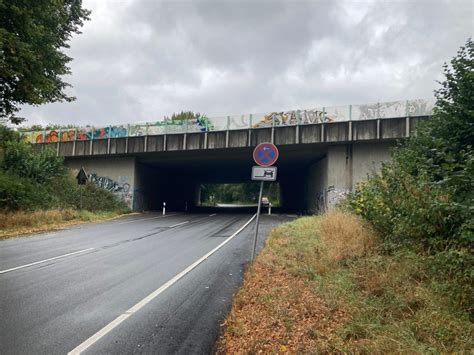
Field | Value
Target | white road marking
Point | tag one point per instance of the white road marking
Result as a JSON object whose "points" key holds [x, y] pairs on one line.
{"points": [[94, 338], [46, 260], [145, 219], [179, 224], [211, 215]]}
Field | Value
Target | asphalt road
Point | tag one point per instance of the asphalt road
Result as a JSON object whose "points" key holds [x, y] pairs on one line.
{"points": [[124, 286]]}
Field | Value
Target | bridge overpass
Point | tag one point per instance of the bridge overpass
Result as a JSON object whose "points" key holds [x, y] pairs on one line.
{"points": [[323, 152]]}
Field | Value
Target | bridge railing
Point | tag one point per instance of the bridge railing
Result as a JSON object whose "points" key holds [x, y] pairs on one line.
{"points": [[202, 123]]}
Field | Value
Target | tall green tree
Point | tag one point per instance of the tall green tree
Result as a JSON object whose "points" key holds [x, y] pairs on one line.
{"points": [[426, 193], [33, 36]]}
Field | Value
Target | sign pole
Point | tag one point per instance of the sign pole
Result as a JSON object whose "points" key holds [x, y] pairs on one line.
{"points": [[258, 217], [265, 155]]}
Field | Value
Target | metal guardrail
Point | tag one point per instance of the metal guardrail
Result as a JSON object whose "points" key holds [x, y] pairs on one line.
{"points": [[202, 123]]}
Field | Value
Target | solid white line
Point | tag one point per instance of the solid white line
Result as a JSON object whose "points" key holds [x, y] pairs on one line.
{"points": [[211, 215], [46, 260], [94, 338], [179, 224]]}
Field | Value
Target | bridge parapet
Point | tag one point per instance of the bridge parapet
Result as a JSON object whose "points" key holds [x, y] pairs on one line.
{"points": [[364, 115], [374, 130]]}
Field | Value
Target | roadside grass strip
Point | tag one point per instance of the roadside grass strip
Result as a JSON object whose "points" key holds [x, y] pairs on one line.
{"points": [[324, 284], [13, 224]]}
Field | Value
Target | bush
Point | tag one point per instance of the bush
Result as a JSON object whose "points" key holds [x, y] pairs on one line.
{"points": [[424, 197], [32, 181], [19, 193]]}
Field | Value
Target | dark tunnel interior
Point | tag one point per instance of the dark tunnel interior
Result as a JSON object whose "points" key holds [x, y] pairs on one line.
{"points": [[176, 177]]}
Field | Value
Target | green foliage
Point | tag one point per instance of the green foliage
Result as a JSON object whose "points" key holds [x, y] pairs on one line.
{"points": [[32, 37], [184, 115], [90, 196], [424, 197], [21, 160], [17, 193], [238, 193], [32, 180]]}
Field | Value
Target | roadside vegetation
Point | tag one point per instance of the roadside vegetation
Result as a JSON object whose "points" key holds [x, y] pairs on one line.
{"points": [[38, 192], [392, 269], [326, 284], [243, 193]]}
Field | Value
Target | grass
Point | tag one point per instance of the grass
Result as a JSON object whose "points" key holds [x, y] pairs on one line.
{"points": [[324, 285], [25, 222]]}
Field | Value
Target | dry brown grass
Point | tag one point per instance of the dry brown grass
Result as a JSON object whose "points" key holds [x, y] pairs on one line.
{"points": [[26, 222], [345, 235], [320, 286]]}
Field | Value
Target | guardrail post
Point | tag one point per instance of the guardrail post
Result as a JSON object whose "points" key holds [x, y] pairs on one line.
{"points": [[227, 133], [126, 138], [185, 136], [206, 128], [145, 144], [91, 140], [249, 143], [59, 142], [108, 139], [407, 120], [350, 124], [74, 142], [297, 129], [273, 129]]}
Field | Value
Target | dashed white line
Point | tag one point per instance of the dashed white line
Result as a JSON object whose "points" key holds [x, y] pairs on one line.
{"points": [[94, 338], [179, 224], [211, 215], [144, 219], [46, 260]]}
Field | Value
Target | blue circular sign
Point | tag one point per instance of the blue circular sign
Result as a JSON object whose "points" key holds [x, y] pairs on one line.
{"points": [[265, 154]]}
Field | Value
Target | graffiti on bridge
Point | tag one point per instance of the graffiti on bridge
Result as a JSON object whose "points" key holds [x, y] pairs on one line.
{"points": [[122, 188], [291, 118], [202, 123]]}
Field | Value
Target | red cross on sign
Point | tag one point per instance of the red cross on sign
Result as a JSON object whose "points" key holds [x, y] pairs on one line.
{"points": [[265, 154]]}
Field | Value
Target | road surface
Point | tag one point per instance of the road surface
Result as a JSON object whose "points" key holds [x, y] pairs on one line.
{"points": [[138, 284]]}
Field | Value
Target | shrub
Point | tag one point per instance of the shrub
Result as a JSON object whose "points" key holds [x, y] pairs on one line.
{"points": [[32, 180], [424, 197]]}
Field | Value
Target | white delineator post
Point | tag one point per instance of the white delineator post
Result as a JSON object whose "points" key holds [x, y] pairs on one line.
{"points": [[164, 208], [269, 208]]}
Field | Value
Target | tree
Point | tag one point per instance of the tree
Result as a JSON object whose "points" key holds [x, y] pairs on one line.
{"points": [[33, 35], [427, 191]]}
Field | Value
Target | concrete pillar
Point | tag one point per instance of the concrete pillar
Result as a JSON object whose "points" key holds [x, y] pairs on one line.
{"points": [[316, 186]]}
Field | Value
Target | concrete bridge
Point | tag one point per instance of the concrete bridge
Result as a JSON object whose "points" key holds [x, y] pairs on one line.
{"points": [[321, 158]]}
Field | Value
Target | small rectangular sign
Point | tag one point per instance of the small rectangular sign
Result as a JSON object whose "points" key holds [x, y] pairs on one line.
{"points": [[264, 174]]}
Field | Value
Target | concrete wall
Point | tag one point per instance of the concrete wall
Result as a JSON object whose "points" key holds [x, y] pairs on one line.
{"points": [[316, 186], [115, 174], [367, 159], [331, 178]]}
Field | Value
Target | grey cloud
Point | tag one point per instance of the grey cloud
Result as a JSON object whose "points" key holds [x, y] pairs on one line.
{"points": [[143, 59]]}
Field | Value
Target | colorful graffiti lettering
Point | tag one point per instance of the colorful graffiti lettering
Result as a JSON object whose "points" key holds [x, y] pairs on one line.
{"points": [[202, 123]]}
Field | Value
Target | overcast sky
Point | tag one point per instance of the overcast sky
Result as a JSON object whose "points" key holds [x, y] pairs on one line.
{"points": [[138, 60]]}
